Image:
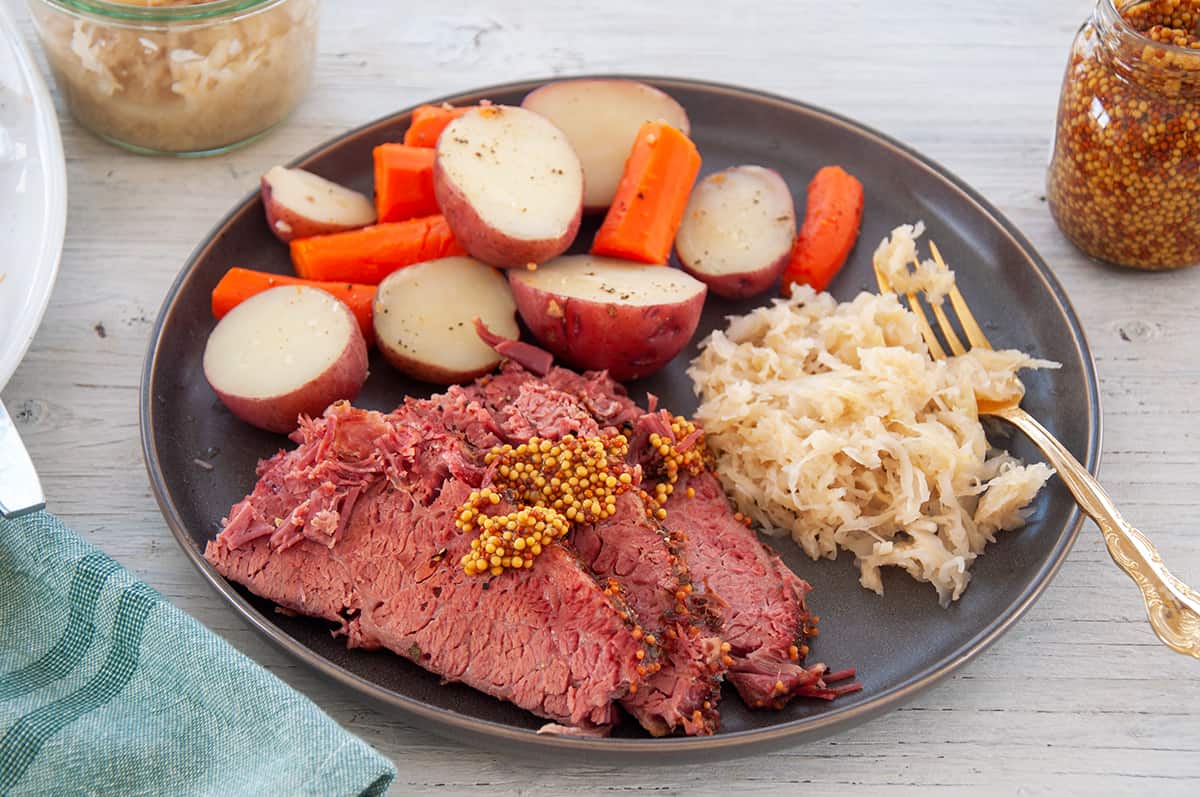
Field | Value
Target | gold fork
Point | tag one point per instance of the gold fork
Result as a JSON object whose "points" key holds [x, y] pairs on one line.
{"points": [[1172, 606]]}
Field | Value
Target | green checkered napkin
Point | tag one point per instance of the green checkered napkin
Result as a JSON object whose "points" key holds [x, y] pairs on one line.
{"points": [[108, 689]]}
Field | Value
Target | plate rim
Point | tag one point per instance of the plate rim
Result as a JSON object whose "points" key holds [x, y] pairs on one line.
{"points": [[802, 729], [55, 201]]}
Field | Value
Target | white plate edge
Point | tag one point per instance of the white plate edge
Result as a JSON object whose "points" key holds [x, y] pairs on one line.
{"points": [[54, 199]]}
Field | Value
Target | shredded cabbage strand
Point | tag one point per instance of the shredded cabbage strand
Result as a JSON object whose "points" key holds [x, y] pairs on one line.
{"points": [[830, 421]]}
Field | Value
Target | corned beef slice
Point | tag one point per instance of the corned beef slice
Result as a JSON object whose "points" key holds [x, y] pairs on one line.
{"points": [[762, 601], [366, 538], [537, 410], [648, 566], [604, 399], [652, 572]]}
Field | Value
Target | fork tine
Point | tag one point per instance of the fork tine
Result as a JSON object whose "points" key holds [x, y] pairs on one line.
{"points": [[885, 285], [974, 333], [965, 317], [947, 328], [935, 347], [943, 322], [931, 342]]}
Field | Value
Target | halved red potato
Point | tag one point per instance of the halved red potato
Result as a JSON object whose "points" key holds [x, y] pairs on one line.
{"points": [[300, 204], [425, 318], [737, 230], [605, 313], [601, 119], [509, 184], [286, 352]]}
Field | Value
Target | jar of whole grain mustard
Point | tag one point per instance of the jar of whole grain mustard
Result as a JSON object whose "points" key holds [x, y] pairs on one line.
{"points": [[1124, 181]]}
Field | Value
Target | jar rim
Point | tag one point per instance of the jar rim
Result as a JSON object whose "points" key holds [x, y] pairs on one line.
{"points": [[1118, 20], [109, 9]]}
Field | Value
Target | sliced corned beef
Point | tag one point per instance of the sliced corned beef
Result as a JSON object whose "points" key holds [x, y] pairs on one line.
{"points": [[357, 526], [763, 601], [682, 688], [596, 392], [536, 409], [383, 492], [651, 569]]}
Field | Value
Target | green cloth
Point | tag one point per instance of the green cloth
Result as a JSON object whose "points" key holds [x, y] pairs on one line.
{"points": [[108, 689]]}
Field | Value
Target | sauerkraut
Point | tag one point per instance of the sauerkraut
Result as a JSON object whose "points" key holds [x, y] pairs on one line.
{"points": [[830, 422], [181, 86]]}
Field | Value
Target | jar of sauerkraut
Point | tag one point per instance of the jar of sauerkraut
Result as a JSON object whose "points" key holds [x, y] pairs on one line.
{"points": [[179, 77]]}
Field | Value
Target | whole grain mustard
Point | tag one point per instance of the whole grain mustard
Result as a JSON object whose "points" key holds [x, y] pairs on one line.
{"points": [[554, 484]]}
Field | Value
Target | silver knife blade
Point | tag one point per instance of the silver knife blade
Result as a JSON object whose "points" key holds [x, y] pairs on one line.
{"points": [[20, 489]]}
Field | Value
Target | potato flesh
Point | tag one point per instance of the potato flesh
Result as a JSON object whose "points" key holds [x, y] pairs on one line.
{"points": [[425, 313], [276, 342], [601, 119], [738, 220], [608, 280], [516, 169], [313, 197]]}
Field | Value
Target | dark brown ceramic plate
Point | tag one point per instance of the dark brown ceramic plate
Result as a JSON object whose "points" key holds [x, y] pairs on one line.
{"points": [[900, 643]]}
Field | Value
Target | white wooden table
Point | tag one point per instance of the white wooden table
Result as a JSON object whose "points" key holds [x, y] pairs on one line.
{"points": [[1079, 697]]}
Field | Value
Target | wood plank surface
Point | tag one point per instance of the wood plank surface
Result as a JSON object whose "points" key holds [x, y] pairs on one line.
{"points": [[1078, 698]]}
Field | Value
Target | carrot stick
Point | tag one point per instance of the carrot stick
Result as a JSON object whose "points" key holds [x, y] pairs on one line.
{"points": [[239, 284], [369, 254], [428, 122], [831, 224], [651, 197], [404, 182]]}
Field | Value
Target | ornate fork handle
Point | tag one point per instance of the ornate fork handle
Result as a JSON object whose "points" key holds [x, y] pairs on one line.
{"points": [[1173, 607]]}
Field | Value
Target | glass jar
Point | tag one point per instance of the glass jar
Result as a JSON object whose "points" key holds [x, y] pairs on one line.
{"points": [[179, 77], [1124, 181]]}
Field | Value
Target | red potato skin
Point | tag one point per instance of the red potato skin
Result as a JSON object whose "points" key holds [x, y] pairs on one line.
{"points": [[743, 285], [628, 342], [486, 243], [295, 225], [341, 381]]}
